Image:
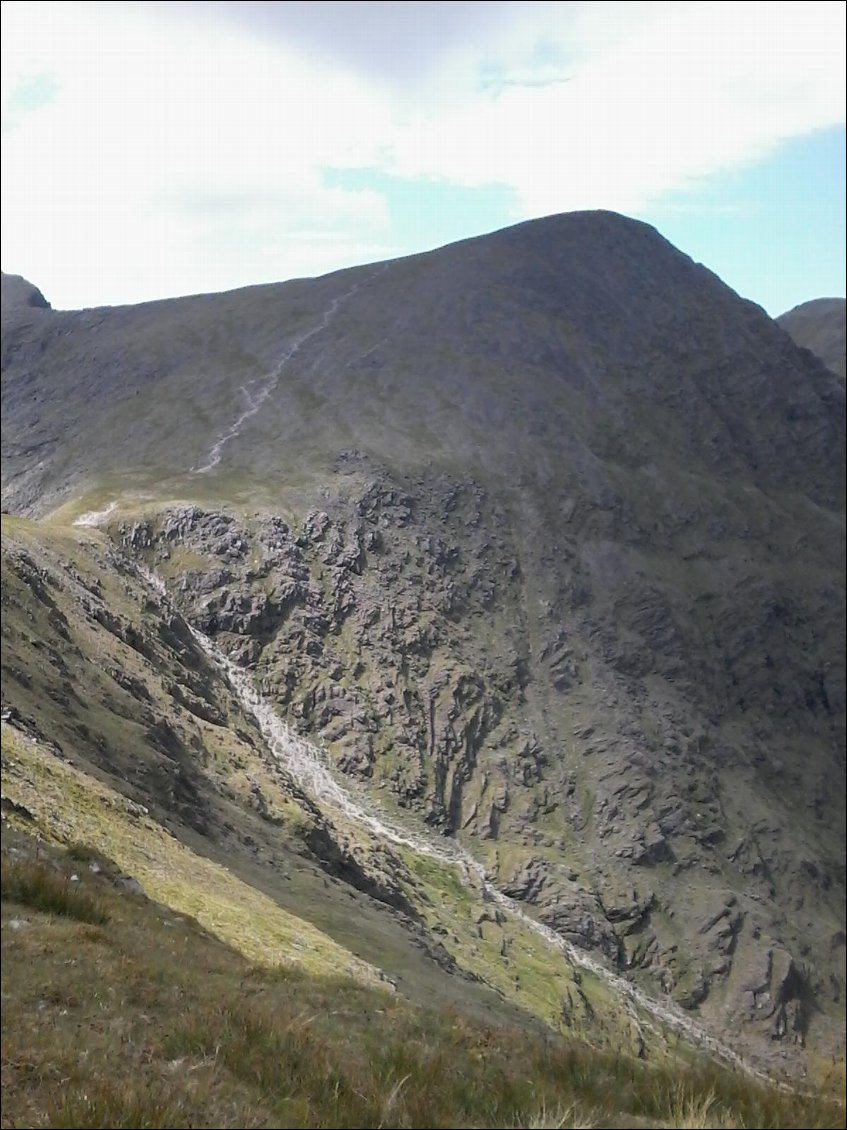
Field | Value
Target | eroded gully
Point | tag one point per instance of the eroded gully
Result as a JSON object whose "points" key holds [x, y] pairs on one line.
{"points": [[306, 764]]}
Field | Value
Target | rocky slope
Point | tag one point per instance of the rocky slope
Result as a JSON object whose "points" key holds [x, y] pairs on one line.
{"points": [[120, 732], [819, 326], [540, 536]]}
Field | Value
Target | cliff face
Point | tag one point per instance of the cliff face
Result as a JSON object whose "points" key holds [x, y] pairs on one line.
{"points": [[540, 537]]}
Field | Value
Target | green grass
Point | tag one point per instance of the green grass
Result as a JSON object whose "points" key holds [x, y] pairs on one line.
{"points": [[148, 1021], [505, 951]]}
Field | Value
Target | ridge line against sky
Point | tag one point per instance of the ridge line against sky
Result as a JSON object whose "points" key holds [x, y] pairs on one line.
{"points": [[157, 149]]}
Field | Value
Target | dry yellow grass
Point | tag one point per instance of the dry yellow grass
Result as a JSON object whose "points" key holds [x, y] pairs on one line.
{"points": [[68, 806]]}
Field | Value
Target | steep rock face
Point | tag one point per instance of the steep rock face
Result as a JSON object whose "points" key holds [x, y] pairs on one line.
{"points": [[821, 327], [540, 535], [604, 759]]}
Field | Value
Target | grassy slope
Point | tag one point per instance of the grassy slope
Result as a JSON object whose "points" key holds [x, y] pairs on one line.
{"points": [[71, 806], [118, 1012]]}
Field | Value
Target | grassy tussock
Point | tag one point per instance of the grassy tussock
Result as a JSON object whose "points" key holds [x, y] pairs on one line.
{"points": [[40, 887], [118, 1104], [569, 1119]]}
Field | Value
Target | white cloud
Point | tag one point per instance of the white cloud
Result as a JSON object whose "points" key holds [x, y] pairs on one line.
{"points": [[174, 164], [694, 90], [171, 148]]}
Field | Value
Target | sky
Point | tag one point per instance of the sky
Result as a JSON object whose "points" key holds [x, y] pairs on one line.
{"points": [[157, 149]]}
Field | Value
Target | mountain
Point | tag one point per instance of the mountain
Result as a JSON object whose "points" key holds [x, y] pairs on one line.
{"points": [[537, 537], [819, 326]]}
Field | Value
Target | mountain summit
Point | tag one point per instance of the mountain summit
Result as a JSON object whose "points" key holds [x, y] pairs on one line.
{"points": [[820, 326], [540, 537], [568, 339]]}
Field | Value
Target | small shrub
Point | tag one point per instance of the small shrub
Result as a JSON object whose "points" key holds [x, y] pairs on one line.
{"points": [[38, 886], [569, 1118], [84, 853], [691, 1111]]}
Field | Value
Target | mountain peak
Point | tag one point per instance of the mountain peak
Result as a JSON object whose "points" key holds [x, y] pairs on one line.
{"points": [[17, 291], [820, 325]]}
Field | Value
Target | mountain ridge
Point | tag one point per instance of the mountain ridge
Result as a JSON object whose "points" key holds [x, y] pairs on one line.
{"points": [[599, 319]]}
